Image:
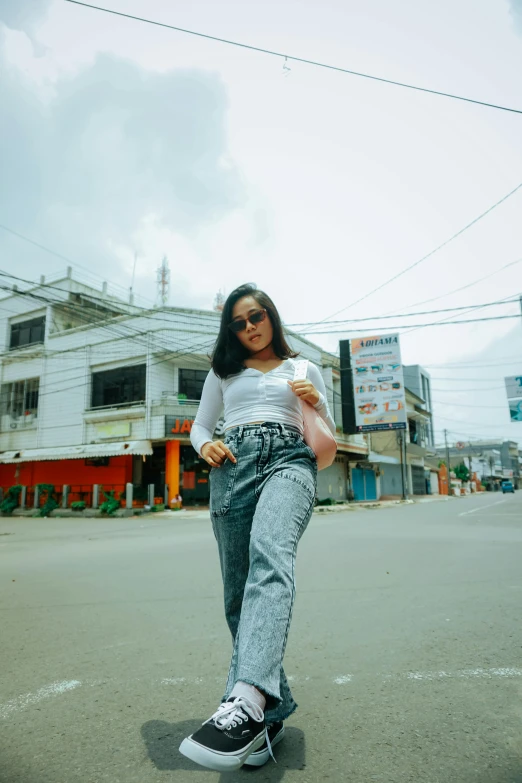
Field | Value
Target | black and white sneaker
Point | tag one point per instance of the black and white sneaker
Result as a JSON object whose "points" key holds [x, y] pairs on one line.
{"points": [[225, 740], [275, 732]]}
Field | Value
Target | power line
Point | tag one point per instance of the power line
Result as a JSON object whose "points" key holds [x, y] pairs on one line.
{"points": [[173, 356], [467, 380], [507, 300], [51, 252], [466, 405], [467, 390], [466, 435], [296, 59], [470, 309], [464, 287], [472, 365], [136, 335], [151, 312], [416, 326], [428, 255], [110, 326], [471, 423]]}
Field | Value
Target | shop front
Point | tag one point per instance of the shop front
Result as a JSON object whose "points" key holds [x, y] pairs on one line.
{"points": [[186, 474]]}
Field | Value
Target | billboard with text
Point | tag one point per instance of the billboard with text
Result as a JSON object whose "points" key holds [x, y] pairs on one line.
{"points": [[378, 383]]}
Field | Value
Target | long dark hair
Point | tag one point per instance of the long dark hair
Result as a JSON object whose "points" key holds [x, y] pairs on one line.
{"points": [[229, 355]]}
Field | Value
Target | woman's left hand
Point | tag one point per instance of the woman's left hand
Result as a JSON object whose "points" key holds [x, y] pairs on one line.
{"points": [[305, 390]]}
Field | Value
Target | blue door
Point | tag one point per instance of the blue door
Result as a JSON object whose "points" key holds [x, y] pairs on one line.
{"points": [[370, 485], [364, 483], [358, 483]]}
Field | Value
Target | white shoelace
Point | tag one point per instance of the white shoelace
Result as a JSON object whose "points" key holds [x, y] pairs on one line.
{"points": [[233, 713]]}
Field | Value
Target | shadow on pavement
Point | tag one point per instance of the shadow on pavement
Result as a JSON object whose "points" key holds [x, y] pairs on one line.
{"points": [[163, 739]]}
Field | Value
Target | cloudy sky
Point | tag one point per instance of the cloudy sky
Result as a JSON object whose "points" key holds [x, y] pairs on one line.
{"points": [[118, 137]]}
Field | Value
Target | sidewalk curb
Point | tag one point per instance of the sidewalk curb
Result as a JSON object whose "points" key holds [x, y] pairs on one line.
{"points": [[370, 505]]}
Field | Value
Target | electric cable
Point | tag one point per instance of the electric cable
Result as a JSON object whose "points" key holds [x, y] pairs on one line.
{"points": [[294, 58]]}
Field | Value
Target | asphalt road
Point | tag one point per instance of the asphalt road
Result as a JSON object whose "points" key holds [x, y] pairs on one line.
{"points": [[405, 649]]}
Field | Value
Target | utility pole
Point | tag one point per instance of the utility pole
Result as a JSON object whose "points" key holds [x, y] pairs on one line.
{"points": [[448, 464], [400, 437]]}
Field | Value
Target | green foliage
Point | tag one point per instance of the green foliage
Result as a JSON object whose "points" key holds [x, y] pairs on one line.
{"points": [[111, 504], [461, 472], [78, 505], [11, 500], [48, 496]]}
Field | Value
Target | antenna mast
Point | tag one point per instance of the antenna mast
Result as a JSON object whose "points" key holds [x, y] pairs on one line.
{"points": [[163, 281]]}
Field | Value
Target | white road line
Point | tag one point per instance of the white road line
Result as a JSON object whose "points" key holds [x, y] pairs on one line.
{"points": [[481, 508], [58, 688], [466, 674], [344, 679], [28, 699]]}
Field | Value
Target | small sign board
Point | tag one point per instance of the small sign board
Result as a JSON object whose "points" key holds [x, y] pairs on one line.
{"points": [[514, 386]]}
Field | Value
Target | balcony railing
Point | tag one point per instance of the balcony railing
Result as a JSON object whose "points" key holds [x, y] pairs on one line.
{"points": [[117, 405]]}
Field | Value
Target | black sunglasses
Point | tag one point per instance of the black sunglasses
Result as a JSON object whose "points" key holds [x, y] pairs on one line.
{"points": [[240, 324]]}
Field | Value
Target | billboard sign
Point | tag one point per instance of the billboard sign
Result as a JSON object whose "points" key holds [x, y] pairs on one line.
{"points": [[514, 387], [378, 383], [515, 409], [514, 395], [181, 426]]}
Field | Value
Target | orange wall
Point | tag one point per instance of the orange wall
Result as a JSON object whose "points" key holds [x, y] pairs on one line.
{"points": [[67, 471], [443, 480]]}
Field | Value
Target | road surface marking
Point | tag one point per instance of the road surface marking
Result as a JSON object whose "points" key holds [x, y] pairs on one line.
{"points": [[173, 680], [345, 678], [481, 508], [59, 688], [466, 674], [28, 699]]}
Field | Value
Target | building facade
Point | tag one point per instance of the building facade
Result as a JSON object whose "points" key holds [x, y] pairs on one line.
{"points": [[408, 474], [490, 459], [94, 390]]}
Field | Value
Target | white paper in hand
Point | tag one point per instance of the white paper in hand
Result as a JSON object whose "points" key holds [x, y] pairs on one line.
{"points": [[301, 370]]}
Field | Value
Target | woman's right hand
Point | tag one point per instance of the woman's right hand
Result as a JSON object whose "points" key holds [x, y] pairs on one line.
{"points": [[215, 453]]}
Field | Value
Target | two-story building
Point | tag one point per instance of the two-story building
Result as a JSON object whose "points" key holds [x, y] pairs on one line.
{"points": [[95, 390], [490, 459], [408, 473]]}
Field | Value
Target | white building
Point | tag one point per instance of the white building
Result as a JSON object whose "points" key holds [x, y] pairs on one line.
{"points": [[94, 390]]}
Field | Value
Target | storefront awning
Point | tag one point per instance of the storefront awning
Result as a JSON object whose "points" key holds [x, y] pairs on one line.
{"points": [[382, 459], [88, 451]]}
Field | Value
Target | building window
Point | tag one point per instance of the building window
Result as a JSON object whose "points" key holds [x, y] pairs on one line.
{"points": [[27, 333], [191, 383], [20, 399], [124, 386]]}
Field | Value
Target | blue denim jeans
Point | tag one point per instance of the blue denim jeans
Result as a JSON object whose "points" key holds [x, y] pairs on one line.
{"points": [[260, 508]]}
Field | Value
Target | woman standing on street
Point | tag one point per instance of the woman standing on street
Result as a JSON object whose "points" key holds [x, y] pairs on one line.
{"points": [[262, 491]]}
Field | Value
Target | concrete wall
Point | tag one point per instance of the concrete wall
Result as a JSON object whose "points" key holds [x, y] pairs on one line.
{"points": [[390, 480], [333, 481]]}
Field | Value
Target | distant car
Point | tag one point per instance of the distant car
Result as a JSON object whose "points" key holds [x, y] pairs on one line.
{"points": [[507, 486]]}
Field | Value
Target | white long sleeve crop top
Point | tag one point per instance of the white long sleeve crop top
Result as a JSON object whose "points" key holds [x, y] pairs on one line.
{"points": [[253, 396]]}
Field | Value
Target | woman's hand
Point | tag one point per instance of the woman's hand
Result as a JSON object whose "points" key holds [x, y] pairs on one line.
{"points": [[306, 391], [215, 453]]}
